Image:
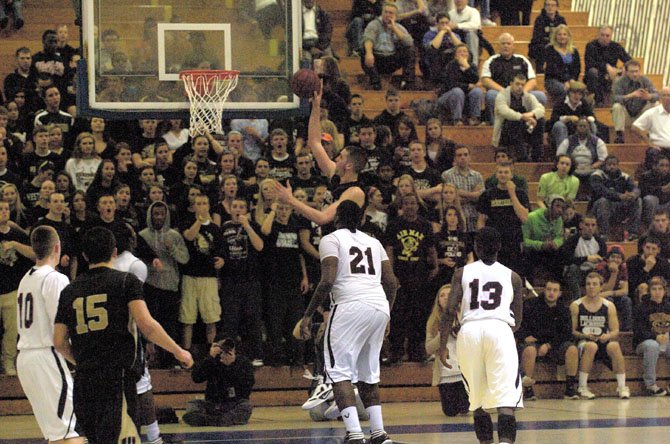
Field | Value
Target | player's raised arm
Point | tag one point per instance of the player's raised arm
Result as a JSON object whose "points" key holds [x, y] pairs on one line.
{"points": [[320, 217], [326, 164]]}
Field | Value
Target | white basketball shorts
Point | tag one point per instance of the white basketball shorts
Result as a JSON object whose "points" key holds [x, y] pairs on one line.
{"points": [[489, 362], [47, 383], [353, 341]]}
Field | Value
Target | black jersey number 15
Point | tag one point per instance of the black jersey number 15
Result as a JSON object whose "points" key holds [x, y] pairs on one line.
{"points": [[490, 299], [91, 313]]}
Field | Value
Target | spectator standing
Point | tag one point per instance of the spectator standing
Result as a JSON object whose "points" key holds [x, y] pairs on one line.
{"points": [[499, 71], [546, 334], [199, 289], [287, 281], [355, 119], [453, 246], [387, 46], [57, 219], [391, 115], [650, 334], [654, 124], [615, 197], [600, 59], [458, 81], [615, 285], [230, 379], [470, 185], [659, 229], [240, 286], [502, 156], [439, 148], [16, 257], [544, 25], [505, 208], [519, 121], [596, 327], [52, 114], [410, 247], [632, 94], [161, 287], [559, 182], [563, 63]]}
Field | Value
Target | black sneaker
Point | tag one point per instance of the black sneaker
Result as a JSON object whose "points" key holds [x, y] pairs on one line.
{"points": [[570, 393], [529, 394], [383, 438], [354, 438], [655, 391]]}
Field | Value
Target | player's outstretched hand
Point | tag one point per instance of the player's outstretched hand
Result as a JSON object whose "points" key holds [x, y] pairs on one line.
{"points": [[444, 357], [184, 357], [284, 193]]}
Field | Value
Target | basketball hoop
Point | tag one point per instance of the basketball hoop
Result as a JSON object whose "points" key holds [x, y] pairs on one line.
{"points": [[207, 91]]}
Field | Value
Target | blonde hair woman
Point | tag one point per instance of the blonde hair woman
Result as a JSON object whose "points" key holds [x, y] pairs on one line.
{"points": [[17, 211], [449, 381], [265, 198], [562, 63], [84, 161]]}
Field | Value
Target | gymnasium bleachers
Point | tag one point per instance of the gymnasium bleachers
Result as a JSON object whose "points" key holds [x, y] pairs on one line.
{"points": [[410, 381]]}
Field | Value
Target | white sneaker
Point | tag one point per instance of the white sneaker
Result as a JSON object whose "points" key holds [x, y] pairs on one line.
{"points": [[322, 393], [257, 363], [623, 392], [527, 381], [585, 393], [488, 22]]}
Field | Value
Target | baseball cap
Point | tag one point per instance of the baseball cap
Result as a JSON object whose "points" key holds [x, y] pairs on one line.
{"points": [[326, 137], [615, 249], [553, 197]]}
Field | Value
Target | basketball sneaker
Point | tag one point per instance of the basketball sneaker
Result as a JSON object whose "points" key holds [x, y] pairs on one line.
{"points": [[355, 438], [655, 391], [380, 437], [529, 393], [570, 392], [623, 392], [585, 393], [321, 394]]}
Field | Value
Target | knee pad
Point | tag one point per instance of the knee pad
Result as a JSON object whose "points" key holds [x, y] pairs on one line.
{"points": [[506, 428], [483, 426]]}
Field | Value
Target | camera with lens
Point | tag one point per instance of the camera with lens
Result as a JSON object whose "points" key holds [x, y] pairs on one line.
{"points": [[227, 345]]}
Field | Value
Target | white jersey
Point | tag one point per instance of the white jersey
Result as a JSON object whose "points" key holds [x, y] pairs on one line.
{"points": [[359, 269], [128, 262], [37, 303], [487, 292]]}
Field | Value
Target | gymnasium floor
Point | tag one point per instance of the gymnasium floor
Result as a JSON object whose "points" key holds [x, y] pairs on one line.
{"points": [[601, 421]]}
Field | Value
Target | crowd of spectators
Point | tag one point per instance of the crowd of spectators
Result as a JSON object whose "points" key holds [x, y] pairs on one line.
{"points": [[204, 214]]}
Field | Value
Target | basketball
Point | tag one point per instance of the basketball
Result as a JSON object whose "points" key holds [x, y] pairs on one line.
{"points": [[305, 83]]}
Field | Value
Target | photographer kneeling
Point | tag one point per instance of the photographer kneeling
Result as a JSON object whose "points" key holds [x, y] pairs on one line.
{"points": [[230, 378]]}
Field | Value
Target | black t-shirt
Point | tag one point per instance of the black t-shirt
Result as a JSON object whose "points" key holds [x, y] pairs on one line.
{"points": [[241, 258], [425, 179], [281, 169], [13, 265], [454, 245], [202, 249], [307, 184], [283, 249], [350, 126], [411, 242], [503, 70], [94, 307], [497, 206]]}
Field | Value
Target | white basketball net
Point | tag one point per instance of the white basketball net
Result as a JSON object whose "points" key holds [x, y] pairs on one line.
{"points": [[208, 92]]}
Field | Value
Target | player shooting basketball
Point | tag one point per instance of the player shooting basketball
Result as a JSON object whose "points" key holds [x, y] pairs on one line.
{"points": [[346, 165]]}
